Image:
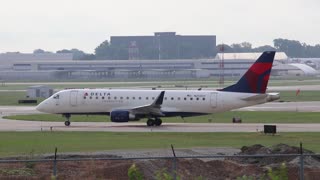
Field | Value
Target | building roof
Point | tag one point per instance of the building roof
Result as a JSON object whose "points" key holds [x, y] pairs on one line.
{"points": [[250, 56], [305, 68], [38, 86]]}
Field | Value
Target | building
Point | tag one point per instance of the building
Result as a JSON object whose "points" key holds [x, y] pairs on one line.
{"points": [[16, 56], [39, 91], [280, 56], [294, 69], [164, 45], [144, 69]]}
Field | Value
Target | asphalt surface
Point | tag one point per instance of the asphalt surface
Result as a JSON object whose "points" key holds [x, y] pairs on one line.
{"points": [[17, 125], [12, 125]]}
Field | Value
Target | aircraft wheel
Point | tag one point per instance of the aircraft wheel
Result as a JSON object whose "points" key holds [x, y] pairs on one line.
{"points": [[150, 122], [158, 122], [67, 123]]}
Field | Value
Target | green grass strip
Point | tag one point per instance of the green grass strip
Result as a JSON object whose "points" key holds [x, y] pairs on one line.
{"points": [[26, 143]]}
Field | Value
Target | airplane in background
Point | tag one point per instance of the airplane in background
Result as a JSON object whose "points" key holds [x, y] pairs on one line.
{"points": [[133, 105]]}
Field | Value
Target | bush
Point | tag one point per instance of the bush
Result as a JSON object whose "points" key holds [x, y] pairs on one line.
{"points": [[134, 173]]}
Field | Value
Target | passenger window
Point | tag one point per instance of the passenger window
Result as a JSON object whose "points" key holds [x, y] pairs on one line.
{"points": [[147, 98], [172, 98], [197, 99], [133, 97], [121, 97], [178, 98], [84, 97], [203, 98], [165, 98], [102, 97], [191, 99], [115, 97], [139, 98], [90, 97], [185, 99], [97, 97], [109, 97], [152, 98], [127, 97]]}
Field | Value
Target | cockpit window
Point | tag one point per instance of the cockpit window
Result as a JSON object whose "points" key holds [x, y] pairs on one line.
{"points": [[56, 96]]}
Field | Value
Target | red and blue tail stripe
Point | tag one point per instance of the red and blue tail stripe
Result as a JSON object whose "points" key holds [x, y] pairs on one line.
{"points": [[255, 80]]}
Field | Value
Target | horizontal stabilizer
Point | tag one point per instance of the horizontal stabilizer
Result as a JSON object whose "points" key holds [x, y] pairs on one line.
{"points": [[256, 97]]}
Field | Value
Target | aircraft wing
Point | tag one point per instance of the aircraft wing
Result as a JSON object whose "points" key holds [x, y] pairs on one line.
{"points": [[153, 108]]}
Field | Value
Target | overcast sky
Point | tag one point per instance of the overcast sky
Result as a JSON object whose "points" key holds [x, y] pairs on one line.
{"points": [[57, 24]]}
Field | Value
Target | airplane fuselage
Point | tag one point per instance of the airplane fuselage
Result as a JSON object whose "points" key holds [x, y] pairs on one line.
{"points": [[175, 102]]}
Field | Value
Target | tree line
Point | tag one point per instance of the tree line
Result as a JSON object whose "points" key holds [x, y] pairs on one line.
{"points": [[293, 48]]}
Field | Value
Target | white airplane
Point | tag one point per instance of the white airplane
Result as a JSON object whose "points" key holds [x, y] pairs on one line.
{"points": [[132, 105]]}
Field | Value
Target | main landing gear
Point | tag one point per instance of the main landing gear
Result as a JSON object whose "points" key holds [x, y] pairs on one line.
{"points": [[154, 122], [67, 122]]}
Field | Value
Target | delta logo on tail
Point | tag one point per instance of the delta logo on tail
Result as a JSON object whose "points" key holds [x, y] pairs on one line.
{"points": [[255, 80]]}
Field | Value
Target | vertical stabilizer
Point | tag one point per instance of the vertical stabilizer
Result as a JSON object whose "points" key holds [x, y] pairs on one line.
{"points": [[255, 80]]}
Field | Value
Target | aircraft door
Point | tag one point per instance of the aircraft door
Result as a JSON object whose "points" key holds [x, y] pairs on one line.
{"points": [[73, 98], [214, 99]]}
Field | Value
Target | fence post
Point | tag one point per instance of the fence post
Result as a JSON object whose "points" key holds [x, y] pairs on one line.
{"points": [[174, 163], [55, 163], [301, 163]]}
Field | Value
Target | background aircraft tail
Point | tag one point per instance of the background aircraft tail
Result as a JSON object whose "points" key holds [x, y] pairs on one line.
{"points": [[255, 80]]}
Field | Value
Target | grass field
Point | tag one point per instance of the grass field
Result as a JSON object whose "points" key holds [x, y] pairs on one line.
{"points": [[11, 98], [24, 143], [303, 96], [246, 116]]}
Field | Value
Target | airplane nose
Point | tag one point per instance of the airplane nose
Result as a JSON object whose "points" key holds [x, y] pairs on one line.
{"points": [[41, 107]]}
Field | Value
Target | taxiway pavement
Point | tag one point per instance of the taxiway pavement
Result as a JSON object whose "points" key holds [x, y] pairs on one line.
{"points": [[17, 125]]}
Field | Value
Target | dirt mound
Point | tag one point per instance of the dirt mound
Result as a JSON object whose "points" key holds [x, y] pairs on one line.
{"points": [[258, 149], [276, 149], [230, 168]]}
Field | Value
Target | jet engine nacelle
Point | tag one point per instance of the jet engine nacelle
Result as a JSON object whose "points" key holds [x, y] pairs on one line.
{"points": [[121, 116]]}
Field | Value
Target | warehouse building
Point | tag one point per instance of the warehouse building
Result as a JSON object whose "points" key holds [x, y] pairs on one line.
{"points": [[234, 65], [165, 45]]}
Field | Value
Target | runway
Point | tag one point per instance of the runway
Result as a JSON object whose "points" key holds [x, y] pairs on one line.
{"points": [[308, 106], [13, 125], [17, 125]]}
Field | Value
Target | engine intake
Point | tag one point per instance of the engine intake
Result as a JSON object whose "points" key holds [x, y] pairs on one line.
{"points": [[121, 116]]}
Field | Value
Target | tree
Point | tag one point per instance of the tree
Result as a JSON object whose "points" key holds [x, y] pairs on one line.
{"points": [[224, 48], [242, 47], [264, 48], [103, 51], [40, 51], [292, 48], [63, 51], [78, 54]]}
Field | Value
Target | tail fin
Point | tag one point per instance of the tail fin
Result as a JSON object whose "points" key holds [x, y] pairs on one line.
{"points": [[255, 80]]}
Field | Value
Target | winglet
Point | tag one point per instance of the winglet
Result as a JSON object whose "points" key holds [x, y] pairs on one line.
{"points": [[159, 99]]}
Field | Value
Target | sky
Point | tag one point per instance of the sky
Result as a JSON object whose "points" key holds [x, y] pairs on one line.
{"points": [[64, 24]]}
